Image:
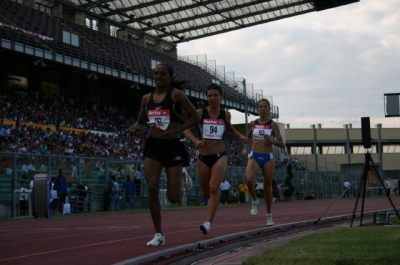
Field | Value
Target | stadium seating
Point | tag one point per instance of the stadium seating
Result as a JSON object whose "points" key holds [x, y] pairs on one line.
{"points": [[99, 48]]}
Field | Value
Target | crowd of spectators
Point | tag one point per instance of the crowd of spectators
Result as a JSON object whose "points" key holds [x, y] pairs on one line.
{"points": [[105, 129], [24, 105]]}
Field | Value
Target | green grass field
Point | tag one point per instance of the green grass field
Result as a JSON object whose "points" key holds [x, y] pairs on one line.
{"points": [[367, 245]]}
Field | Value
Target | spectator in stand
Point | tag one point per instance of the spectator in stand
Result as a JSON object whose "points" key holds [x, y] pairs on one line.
{"points": [[8, 168], [276, 190], [31, 169], [3, 135], [129, 189], [62, 190], [138, 181], [395, 189], [114, 194], [23, 199], [224, 188], [244, 192], [24, 171], [388, 185], [82, 194], [53, 197], [346, 186]]}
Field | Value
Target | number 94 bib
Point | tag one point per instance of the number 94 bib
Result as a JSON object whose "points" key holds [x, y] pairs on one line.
{"points": [[213, 129]]}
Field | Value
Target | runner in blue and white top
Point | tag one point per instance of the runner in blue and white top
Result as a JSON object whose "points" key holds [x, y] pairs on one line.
{"points": [[264, 133]]}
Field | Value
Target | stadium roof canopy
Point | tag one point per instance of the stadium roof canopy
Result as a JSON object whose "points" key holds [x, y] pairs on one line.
{"points": [[177, 21]]}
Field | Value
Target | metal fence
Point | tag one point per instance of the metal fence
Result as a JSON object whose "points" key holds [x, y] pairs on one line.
{"points": [[96, 172]]}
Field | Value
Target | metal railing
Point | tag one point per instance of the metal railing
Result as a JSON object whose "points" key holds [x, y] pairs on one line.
{"points": [[96, 172]]}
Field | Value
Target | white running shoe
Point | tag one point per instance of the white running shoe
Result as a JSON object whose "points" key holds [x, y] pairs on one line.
{"points": [[158, 240], [254, 207], [205, 227], [270, 222]]}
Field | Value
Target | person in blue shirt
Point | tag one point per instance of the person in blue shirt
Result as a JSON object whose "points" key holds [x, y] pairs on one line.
{"points": [[62, 189], [129, 188]]}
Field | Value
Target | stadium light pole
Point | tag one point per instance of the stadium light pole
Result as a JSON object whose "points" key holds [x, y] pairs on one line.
{"points": [[246, 113]]}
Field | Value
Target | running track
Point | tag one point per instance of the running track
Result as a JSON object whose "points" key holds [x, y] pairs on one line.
{"points": [[111, 238]]}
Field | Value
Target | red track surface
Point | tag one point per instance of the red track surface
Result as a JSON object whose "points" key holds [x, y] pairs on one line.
{"points": [[111, 238]]}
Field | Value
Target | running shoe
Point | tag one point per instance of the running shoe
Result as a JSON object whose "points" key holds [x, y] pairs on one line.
{"points": [[205, 227], [158, 240], [270, 222], [254, 207]]}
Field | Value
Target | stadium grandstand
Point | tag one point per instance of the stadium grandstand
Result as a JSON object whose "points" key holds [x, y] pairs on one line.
{"points": [[73, 73]]}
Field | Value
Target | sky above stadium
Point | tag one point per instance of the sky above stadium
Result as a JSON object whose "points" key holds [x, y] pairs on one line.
{"points": [[330, 68]]}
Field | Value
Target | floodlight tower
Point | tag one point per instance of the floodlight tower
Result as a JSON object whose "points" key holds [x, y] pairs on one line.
{"points": [[246, 113]]}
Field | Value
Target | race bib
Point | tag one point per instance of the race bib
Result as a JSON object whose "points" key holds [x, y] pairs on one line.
{"points": [[260, 130], [213, 129], [160, 117]]}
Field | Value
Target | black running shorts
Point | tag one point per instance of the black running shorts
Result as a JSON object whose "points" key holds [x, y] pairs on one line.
{"points": [[170, 153]]}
